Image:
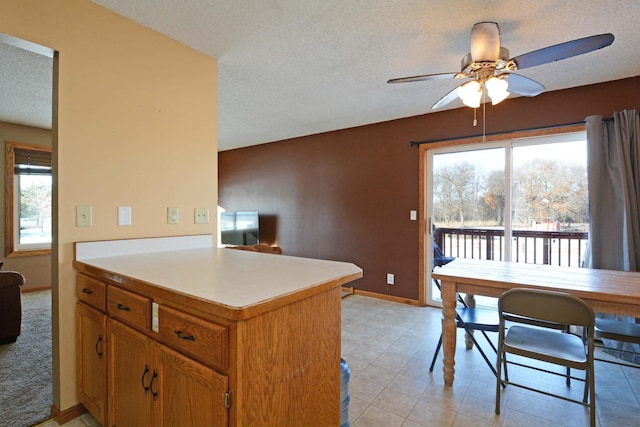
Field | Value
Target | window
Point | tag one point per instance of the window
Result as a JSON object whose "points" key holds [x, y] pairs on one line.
{"points": [[28, 196]]}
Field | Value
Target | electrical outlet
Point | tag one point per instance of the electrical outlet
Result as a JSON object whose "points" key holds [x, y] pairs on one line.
{"points": [[201, 216], [172, 215], [391, 279]]}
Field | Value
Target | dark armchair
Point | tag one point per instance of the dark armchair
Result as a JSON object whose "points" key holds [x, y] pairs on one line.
{"points": [[10, 305]]}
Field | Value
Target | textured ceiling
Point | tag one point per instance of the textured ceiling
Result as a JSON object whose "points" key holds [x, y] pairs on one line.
{"points": [[289, 68], [25, 87]]}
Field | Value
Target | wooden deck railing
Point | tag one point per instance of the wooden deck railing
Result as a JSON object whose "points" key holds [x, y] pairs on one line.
{"points": [[563, 248]]}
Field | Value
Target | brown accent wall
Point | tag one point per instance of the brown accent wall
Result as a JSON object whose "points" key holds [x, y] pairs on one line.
{"points": [[346, 195]]}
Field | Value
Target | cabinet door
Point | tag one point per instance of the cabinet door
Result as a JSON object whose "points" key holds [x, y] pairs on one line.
{"points": [[131, 373], [92, 366], [187, 394]]}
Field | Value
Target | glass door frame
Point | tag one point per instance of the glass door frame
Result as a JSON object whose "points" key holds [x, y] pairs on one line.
{"points": [[506, 141]]}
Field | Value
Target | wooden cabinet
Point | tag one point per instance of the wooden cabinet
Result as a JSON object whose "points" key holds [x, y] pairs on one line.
{"points": [[152, 385], [188, 393], [92, 366], [130, 376], [127, 378]]}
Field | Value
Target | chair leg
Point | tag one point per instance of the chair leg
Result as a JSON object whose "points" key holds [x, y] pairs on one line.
{"points": [[592, 392], [484, 356], [489, 341], [435, 355], [504, 365], [586, 387], [499, 383]]}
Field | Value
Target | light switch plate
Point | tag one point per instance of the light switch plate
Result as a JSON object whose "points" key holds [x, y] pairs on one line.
{"points": [[201, 216], [83, 216], [124, 215]]}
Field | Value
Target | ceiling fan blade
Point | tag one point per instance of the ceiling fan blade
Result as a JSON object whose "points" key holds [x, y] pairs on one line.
{"points": [[563, 50], [523, 85], [447, 99], [423, 77]]}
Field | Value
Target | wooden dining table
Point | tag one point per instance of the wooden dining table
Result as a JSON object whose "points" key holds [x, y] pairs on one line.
{"points": [[606, 291]]}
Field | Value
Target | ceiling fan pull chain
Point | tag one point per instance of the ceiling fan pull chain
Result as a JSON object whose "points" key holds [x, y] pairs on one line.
{"points": [[484, 116], [475, 118]]}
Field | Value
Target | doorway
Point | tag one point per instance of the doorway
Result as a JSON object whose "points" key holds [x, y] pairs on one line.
{"points": [[27, 113], [519, 198]]}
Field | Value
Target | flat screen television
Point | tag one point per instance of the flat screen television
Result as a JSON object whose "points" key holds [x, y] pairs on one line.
{"points": [[239, 228]]}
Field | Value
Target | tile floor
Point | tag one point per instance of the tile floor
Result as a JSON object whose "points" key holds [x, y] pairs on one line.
{"points": [[389, 347], [85, 420]]}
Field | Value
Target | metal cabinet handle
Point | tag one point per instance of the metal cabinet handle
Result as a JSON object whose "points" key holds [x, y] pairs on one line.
{"points": [[144, 374], [98, 342], [184, 337], [153, 378], [86, 291], [123, 307]]}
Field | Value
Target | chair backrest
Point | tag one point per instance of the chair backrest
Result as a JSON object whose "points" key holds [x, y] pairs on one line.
{"points": [[553, 307], [439, 258]]}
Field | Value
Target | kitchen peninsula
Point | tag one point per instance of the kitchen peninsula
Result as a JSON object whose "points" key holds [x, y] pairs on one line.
{"points": [[173, 331]]}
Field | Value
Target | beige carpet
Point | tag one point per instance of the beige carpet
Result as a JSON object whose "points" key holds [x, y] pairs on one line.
{"points": [[25, 366]]}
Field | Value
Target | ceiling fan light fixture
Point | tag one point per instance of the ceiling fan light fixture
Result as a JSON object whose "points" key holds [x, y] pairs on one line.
{"points": [[497, 89], [470, 93], [485, 42]]}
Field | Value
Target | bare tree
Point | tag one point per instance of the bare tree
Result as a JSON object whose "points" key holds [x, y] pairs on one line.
{"points": [[495, 197], [456, 187]]}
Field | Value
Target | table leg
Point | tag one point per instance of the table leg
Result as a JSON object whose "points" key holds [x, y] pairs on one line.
{"points": [[448, 330]]}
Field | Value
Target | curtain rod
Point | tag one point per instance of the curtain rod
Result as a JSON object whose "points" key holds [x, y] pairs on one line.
{"points": [[417, 143]]}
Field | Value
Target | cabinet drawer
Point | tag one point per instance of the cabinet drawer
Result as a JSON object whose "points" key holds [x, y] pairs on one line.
{"points": [[133, 309], [91, 291], [203, 340]]}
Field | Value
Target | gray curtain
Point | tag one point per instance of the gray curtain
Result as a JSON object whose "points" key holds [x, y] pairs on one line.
{"points": [[613, 152]]}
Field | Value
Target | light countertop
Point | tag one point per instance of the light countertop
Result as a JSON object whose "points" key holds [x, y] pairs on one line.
{"points": [[233, 278]]}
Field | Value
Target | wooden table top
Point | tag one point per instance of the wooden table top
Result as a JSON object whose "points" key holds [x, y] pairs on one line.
{"points": [[606, 286]]}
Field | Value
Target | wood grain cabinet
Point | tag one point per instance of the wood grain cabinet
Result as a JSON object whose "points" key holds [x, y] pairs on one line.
{"points": [[153, 385], [92, 366], [127, 377]]}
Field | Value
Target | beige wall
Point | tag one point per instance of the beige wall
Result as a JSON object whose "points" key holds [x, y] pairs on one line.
{"points": [[36, 269], [136, 126]]}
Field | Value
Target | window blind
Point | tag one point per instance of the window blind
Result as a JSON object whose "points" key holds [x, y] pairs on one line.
{"points": [[32, 162]]}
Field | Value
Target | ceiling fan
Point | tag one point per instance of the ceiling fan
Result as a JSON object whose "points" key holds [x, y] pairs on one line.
{"points": [[492, 72]]}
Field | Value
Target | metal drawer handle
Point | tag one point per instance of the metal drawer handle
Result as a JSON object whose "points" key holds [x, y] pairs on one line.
{"points": [[144, 374], [98, 349], [86, 291], [123, 307], [184, 337], [153, 379]]}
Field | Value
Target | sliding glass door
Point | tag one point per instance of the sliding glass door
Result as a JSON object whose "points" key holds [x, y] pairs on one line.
{"points": [[520, 200]]}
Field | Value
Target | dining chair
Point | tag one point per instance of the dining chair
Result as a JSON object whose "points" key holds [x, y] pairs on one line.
{"points": [[527, 311], [468, 318], [617, 330]]}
